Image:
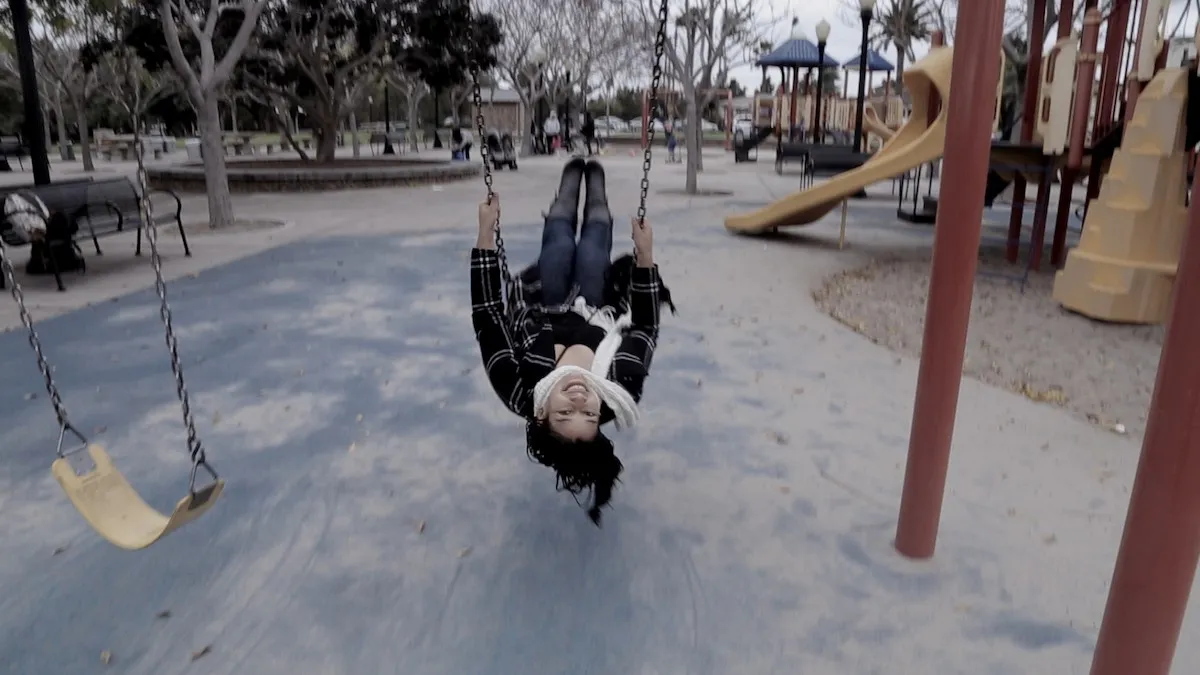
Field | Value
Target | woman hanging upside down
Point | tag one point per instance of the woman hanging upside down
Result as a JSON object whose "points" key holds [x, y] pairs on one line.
{"points": [[573, 347]]}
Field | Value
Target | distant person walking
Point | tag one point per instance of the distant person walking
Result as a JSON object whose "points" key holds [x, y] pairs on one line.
{"points": [[589, 132], [553, 131]]}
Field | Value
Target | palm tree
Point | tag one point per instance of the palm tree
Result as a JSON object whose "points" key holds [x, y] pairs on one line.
{"points": [[900, 24]]}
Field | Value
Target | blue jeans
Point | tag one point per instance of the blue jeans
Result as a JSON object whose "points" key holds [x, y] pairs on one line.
{"points": [[564, 262]]}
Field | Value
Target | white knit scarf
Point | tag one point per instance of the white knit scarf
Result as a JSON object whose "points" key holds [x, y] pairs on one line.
{"points": [[624, 408]]}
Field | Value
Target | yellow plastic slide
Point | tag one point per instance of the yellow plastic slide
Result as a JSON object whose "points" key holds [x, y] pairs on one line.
{"points": [[914, 144], [873, 124]]}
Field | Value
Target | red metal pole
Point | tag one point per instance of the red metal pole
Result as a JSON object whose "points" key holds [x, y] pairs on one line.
{"points": [[1160, 548], [1066, 18], [1033, 79], [1085, 70], [1133, 86], [1111, 66], [1110, 69], [952, 273]]}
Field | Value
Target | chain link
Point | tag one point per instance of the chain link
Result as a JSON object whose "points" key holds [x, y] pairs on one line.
{"points": [[195, 449], [660, 42], [485, 152], [60, 411]]}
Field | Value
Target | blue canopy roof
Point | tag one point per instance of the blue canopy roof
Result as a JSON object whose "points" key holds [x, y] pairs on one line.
{"points": [[875, 62], [796, 53]]}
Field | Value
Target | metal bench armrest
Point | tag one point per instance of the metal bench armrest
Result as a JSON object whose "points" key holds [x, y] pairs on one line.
{"points": [[85, 212], [174, 195]]}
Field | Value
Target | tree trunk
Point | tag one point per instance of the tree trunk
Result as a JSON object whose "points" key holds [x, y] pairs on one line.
{"points": [[233, 121], [412, 121], [899, 71], [693, 133], [46, 129], [326, 138], [216, 179], [64, 143], [85, 141], [526, 116], [354, 134]]}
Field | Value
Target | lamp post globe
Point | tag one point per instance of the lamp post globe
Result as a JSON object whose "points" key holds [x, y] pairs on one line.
{"points": [[823, 29], [866, 10]]}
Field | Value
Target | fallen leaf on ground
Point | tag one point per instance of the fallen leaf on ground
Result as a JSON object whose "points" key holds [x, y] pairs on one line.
{"points": [[165, 614], [204, 651], [351, 448], [421, 527], [358, 417], [106, 657], [61, 549], [464, 552]]}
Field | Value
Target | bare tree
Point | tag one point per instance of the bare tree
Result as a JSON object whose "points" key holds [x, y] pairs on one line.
{"points": [[413, 90], [203, 80], [710, 37], [523, 54], [49, 91], [124, 80], [322, 44], [65, 28]]}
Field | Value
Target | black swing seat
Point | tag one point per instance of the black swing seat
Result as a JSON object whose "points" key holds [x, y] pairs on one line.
{"points": [[114, 509]]}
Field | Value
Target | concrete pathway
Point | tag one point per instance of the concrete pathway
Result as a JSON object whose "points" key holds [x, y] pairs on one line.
{"points": [[381, 516]]}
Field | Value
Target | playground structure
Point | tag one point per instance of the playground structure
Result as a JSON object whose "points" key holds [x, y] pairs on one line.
{"points": [[1135, 262], [1124, 266], [917, 142]]}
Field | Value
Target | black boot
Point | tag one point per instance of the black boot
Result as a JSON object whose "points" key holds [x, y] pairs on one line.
{"points": [[566, 200], [595, 205]]}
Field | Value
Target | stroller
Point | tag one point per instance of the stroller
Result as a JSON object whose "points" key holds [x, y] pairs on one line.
{"points": [[500, 147]]}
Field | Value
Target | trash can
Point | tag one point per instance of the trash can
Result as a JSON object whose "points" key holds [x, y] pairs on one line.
{"points": [[192, 146]]}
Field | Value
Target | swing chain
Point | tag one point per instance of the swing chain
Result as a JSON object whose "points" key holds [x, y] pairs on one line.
{"points": [[484, 151], [60, 410], [660, 42], [195, 449]]}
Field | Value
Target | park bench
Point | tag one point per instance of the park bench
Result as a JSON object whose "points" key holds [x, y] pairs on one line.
{"points": [[99, 208], [378, 140], [787, 152], [11, 146], [124, 149]]}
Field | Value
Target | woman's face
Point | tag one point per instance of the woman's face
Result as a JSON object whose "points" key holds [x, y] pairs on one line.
{"points": [[573, 410]]}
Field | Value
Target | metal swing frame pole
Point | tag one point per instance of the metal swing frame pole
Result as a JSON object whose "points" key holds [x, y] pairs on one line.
{"points": [[952, 274]]}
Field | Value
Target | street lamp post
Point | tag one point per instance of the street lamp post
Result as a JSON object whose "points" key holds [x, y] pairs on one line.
{"points": [[32, 131], [387, 119], [866, 8], [823, 29]]}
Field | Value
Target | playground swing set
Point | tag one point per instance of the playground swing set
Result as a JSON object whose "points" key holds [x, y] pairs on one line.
{"points": [[1161, 543], [95, 487]]}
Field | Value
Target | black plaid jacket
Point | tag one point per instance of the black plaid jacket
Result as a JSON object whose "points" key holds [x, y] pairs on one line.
{"points": [[517, 343]]}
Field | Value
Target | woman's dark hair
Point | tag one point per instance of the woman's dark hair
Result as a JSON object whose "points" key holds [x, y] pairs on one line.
{"points": [[578, 465]]}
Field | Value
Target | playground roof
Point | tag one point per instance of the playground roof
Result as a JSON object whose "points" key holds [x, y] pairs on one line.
{"points": [[797, 53], [875, 62]]}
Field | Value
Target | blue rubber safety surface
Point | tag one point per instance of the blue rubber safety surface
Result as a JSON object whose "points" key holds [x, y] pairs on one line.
{"points": [[381, 516]]}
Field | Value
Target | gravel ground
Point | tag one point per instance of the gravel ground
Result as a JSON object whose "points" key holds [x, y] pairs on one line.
{"points": [[1022, 341]]}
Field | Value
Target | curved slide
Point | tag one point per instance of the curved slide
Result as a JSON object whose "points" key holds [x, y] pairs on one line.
{"points": [[873, 124], [913, 144]]}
